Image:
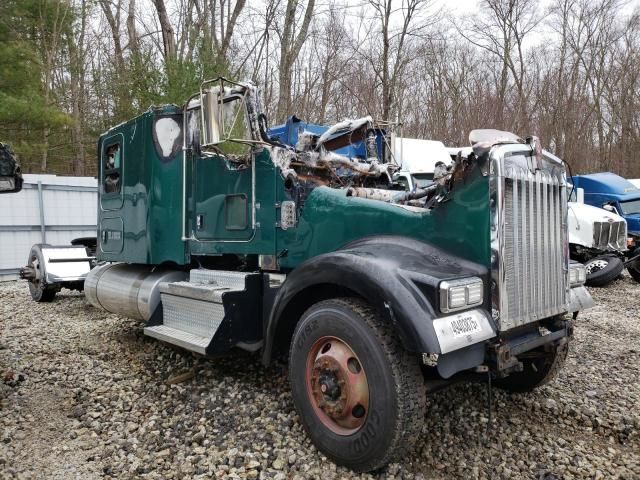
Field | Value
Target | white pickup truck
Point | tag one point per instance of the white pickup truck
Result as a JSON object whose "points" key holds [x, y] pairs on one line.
{"points": [[597, 237]]}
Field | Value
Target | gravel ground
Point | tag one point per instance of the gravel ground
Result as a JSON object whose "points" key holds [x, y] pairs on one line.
{"points": [[83, 394]]}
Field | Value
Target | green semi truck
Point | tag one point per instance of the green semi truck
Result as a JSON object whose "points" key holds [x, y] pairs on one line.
{"points": [[220, 238]]}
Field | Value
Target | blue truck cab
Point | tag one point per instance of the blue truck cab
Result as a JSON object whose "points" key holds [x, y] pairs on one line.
{"points": [[289, 134], [612, 192], [602, 189]]}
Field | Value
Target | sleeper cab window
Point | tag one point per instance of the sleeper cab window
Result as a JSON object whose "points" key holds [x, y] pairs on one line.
{"points": [[112, 167]]}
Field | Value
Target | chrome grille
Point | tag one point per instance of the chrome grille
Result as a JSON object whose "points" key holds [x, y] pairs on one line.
{"points": [[534, 263], [610, 235]]}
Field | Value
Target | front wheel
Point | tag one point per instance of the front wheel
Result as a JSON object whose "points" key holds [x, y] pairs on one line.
{"points": [[603, 270], [360, 395]]}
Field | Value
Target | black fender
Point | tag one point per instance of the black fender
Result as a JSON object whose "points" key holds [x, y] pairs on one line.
{"points": [[397, 275]]}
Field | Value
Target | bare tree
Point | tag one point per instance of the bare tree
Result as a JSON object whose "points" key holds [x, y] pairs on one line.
{"points": [[501, 29], [50, 26], [223, 23], [290, 45], [77, 51], [168, 34], [113, 19], [575, 82], [391, 28]]}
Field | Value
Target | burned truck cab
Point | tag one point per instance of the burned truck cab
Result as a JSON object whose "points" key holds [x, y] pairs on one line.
{"points": [[219, 237]]}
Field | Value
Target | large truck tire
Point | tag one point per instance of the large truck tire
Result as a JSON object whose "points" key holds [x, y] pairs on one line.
{"points": [[38, 288], [634, 267], [360, 396], [603, 270], [634, 271], [536, 371]]}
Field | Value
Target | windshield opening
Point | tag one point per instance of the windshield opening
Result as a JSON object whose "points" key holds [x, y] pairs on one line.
{"points": [[630, 207], [423, 180]]}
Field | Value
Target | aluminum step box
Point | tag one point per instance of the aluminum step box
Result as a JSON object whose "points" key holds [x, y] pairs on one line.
{"points": [[193, 310]]}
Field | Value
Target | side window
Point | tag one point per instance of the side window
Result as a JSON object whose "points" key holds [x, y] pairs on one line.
{"points": [[112, 168], [235, 125], [402, 180]]}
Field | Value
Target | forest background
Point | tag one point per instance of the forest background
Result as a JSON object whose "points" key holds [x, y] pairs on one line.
{"points": [[565, 70]]}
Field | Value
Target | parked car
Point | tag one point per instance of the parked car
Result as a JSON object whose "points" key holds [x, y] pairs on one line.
{"points": [[10, 174], [617, 195]]}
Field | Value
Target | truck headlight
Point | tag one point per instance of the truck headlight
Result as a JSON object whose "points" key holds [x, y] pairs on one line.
{"points": [[577, 274], [460, 294]]}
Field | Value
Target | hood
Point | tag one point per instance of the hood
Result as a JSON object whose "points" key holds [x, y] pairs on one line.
{"points": [[581, 219], [593, 214]]}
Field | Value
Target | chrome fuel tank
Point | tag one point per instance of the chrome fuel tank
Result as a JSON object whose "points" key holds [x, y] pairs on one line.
{"points": [[129, 290]]}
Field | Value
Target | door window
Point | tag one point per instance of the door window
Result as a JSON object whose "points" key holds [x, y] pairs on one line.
{"points": [[235, 126], [112, 168]]}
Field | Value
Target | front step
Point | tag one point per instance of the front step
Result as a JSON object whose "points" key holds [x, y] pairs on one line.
{"points": [[193, 310], [183, 339], [197, 291], [223, 278]]}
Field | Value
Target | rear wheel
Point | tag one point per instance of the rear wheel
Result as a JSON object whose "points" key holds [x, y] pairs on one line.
{"points": [[38, 288], [360, 395], [603, 270]]}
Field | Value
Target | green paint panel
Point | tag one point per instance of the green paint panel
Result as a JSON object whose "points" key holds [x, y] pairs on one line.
{"points": [[215, 183], [330, 220]]}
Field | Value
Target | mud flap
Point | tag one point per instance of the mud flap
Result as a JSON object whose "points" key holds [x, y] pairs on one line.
{"points": [[459, 360]]}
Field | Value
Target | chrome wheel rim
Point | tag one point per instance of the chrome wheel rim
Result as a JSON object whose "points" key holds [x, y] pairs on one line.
{"points": [[596, 265]]}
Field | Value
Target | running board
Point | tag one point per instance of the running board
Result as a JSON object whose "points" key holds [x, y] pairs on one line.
{"points": [[180, 338], [192, 311]]}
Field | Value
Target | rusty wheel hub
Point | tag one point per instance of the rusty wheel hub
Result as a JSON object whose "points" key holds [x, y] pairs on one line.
{"points": [[337, 385]]}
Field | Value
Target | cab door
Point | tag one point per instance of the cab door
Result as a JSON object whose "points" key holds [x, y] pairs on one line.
{"points": [[224, 206], [224, 175], [111, 227]]}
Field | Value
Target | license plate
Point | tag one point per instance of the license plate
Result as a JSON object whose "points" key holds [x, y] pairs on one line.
{"points": [[462, 329], [462, 325]]}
